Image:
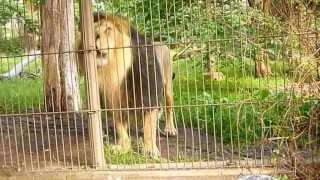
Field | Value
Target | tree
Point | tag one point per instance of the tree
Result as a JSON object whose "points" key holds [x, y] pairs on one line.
{"points": [[61, 87]]}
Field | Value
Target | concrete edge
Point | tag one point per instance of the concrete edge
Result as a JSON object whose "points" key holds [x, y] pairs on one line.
{"points": [[225, 173]]}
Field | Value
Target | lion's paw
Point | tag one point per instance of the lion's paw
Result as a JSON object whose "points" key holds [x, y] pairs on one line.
{"points": [[120, 149], [170, 131], [151, 151]]}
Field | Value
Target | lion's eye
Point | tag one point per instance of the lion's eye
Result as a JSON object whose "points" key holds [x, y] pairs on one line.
{"points": [[109, 28]]}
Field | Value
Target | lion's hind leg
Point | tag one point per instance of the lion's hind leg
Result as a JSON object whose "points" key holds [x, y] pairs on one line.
{"points": [[149, 131], [169, 129]]}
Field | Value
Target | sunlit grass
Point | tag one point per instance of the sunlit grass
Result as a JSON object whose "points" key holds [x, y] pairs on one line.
{"points": [[19, 95], [115, 157]]}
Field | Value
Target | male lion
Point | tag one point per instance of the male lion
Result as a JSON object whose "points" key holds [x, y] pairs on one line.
{"points": [[130, 79]]}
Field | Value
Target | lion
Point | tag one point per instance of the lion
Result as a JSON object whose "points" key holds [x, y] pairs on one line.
{"points": [[131, 82]]}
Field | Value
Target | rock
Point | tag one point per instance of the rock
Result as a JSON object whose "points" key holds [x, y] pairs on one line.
{"points": [[255, 177], [217, 76]]}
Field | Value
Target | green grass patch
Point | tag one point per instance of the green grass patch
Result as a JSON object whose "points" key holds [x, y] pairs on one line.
{"points": [[19, 95], [131, 157]]}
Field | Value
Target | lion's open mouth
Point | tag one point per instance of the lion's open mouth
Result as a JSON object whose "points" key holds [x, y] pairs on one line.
{"points": [[101, 61], [101, 58], [100, 53]]}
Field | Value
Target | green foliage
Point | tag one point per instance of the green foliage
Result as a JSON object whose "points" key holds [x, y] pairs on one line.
{"points": [[238, 109], [10, 12], [13, 9], [11, 46], [169, 20], [246, 121], [183, 21]]}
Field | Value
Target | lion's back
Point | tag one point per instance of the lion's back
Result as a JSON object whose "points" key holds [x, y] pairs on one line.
{"points": [[144, 78]]}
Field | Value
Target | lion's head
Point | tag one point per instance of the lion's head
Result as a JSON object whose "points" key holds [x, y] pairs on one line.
{"points": [[112, 34]]}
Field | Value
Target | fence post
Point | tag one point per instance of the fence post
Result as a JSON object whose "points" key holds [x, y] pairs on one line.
{"points": [[93, 101]]}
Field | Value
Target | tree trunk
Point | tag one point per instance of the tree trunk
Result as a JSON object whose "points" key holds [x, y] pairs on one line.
{"points": [[69, 78], [61, 88]]}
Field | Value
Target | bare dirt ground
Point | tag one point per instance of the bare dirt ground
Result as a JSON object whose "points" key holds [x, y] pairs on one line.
{"points": [[42, 141]]}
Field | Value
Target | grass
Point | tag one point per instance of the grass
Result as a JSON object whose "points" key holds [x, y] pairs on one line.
{"points": [[19, 95], [131, 157]]}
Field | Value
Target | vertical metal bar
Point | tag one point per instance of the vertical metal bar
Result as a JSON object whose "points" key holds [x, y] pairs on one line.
{"points": [[220, 108], [49, 139], [2, 144], [9, 139], [22, 143], [69, 139], [206, 108], [42, 141], [29, 142], [155, 77], [138, 49], [68, 9], [62, 141], [234, 78], [76, 138], [55, 132], [136, 120], [35, 128], [16, 142], [95, 126], [84, 141]]}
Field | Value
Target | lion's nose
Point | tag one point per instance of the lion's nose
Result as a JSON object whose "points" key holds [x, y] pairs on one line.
{"points": [[97, 43], [98, 50]]}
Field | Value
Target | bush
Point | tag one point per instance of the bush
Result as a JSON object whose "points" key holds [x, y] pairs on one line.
{"points": [[12, 46]]}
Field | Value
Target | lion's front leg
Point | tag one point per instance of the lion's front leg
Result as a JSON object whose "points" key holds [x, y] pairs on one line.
{"points": [[123, 140], [149, 131]]}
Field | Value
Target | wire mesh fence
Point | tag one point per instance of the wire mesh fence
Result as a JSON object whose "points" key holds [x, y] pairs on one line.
{"points": [[182, 84]]}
